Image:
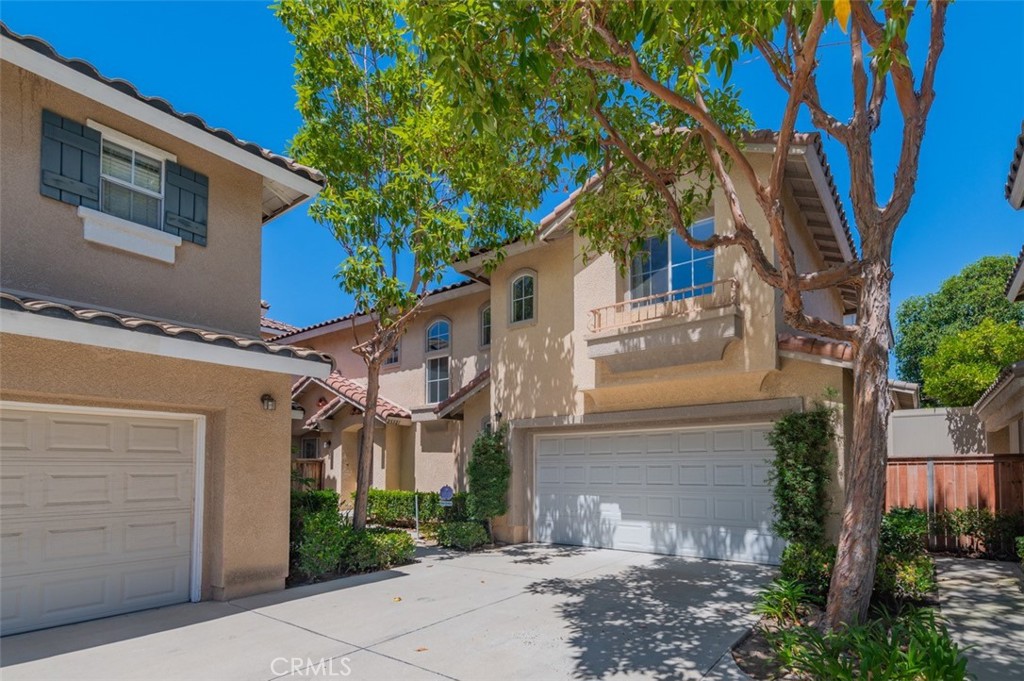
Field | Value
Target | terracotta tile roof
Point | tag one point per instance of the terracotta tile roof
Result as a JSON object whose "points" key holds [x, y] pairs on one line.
{"points": [[1018, 156], [274, 325], [821, 347], [349, 392], [463, 393], [353, 315], [44, 48], [1004, 377], [49, 308], [1018, 295]]}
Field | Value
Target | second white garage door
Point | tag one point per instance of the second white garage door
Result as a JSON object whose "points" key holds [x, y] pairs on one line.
{"points": [[97, 512], [689, 492]]}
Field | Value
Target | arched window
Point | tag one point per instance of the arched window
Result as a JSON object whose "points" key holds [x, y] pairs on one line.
{"points": [[485, 325], [669, 269], [438, 352], [522, 299]]}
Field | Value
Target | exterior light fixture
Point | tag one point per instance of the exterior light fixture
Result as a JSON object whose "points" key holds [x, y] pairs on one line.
{"points": [[497, 416], [268, 402]]}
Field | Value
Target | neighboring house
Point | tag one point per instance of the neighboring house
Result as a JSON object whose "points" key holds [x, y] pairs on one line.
{"points": [[144, 462], [638, 404], [270, 328]]}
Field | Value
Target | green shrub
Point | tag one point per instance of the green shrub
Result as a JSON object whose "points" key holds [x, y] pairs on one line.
{"points": [[1019, 541], [397, 508], [980, 531], [800, 474], [304, 504], [904, 532], [810, 565], [321, 544], [904, 578], [914, 645], [375, 549], [488, 472], [465, 536], [783, 601]]}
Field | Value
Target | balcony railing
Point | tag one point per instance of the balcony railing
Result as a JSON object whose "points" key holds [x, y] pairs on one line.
{"points": [[684, 301]]}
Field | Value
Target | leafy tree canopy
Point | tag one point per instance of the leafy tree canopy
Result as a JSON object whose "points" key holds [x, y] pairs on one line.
{"points": [[961, 302], [965, 363]]}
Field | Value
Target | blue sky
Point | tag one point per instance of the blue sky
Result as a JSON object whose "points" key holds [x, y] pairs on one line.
{"points": [[231, 63]]}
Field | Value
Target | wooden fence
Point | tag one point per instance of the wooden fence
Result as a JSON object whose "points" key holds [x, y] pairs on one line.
{"points": [[312, 469], [937, 484]]}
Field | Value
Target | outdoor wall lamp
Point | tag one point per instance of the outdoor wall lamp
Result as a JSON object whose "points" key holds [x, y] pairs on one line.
{"points": [[327, 444], [497, 416], [269, 404]]}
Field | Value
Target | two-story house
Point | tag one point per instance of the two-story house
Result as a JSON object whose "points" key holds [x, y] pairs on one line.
{"points": [[145, 425], [638, 404]]}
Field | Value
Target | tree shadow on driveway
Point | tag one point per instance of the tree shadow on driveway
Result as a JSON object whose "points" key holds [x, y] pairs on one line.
{"points": [[673, 618]]}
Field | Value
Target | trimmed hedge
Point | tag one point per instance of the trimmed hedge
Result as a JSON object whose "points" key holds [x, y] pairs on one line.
{"points": [[397, 508], [904, 532], [465, 536], [329, 546]]}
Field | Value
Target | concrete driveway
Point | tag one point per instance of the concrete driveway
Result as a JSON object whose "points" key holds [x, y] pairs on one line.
{"points": [[523, 612]]}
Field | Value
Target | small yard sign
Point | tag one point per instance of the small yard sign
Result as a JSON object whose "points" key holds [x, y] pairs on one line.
{"points": [[446, 495]]}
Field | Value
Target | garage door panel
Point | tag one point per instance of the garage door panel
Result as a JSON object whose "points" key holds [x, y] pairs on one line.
{"points": [[709, 497], [97, 515]]}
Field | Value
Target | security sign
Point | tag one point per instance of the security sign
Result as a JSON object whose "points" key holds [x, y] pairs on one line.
{"points": [[446, 495]]}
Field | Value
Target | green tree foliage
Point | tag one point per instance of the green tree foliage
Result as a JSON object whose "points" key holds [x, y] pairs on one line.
{"points": [[800, 474], [966, 363], [961, 302], [488, 472], [411, 187]]}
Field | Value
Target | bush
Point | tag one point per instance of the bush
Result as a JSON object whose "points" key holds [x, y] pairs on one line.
{"points": [[980, 531], [375, 549], [465, 536], [397, 508], [810, 565], [904, 532], [321, 544], [303, 505], [488, 472], [1020, 549], [800, 474], [904, 578], [912, 645]]}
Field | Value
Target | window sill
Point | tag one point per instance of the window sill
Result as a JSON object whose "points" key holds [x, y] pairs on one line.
{"points": [[128, 236], [512, 326]]}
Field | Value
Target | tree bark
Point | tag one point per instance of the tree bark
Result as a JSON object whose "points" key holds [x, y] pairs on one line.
{"points": [[854, 574], [365, 468]]}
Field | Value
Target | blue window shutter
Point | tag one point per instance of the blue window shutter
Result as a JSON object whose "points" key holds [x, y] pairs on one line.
{"points": [[70, 162], [186, 203]]}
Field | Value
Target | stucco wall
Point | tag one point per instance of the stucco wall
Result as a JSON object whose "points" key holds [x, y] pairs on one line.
{"points": [[245, 528], [44, 252], [935, 432]]}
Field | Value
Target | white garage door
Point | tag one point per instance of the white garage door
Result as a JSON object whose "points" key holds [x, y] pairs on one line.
{"points": [[687, 492], [96, 514]]}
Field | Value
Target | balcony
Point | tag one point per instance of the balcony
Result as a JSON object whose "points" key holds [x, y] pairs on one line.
{"points": [[684, 326]]}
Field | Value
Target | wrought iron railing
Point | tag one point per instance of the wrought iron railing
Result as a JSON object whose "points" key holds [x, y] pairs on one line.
{"points": [[714, 295]]}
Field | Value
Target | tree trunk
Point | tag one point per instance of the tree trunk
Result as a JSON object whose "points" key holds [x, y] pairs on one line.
{"points": [[365, 469], [853, 577]]}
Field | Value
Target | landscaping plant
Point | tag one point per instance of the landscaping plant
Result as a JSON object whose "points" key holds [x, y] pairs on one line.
{"points": [[810, 565], [904, 532], [397, 508], [464, 536], [488, 472], [979, 531], [783, 602]]}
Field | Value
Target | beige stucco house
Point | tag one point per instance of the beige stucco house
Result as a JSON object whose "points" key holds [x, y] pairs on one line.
{"points": [[638, 404], [145, 425]]}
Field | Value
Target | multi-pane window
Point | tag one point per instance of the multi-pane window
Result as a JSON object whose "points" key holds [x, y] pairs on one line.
{"points": [[669, 265], [438, 355], [522, 299], [485, 326], [131, 184], [392, 358]]}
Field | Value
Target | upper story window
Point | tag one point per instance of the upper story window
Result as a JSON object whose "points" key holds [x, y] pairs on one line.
{"points": [[485, 325], [438, 356], [670, 266], [393, 357], [131, 184], [522, 298]]}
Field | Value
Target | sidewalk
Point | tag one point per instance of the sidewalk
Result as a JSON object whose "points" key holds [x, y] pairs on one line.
{"points": [[983, 602]]}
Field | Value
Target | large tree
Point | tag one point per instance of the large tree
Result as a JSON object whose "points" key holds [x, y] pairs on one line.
{"points": [[636, 94], [961, 303], [410, 187], [965, 363]]}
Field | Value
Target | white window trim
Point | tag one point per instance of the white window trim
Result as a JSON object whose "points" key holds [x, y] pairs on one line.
{"points": [[712, 255], [195, 586], [139, 147], [436, 354], [125, 235], [490, 327], [511, 299], [118, 137]]}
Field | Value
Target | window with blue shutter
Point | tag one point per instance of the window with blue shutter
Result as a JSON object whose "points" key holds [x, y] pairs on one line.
{"points": [[105, 170], [70, 162]]}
